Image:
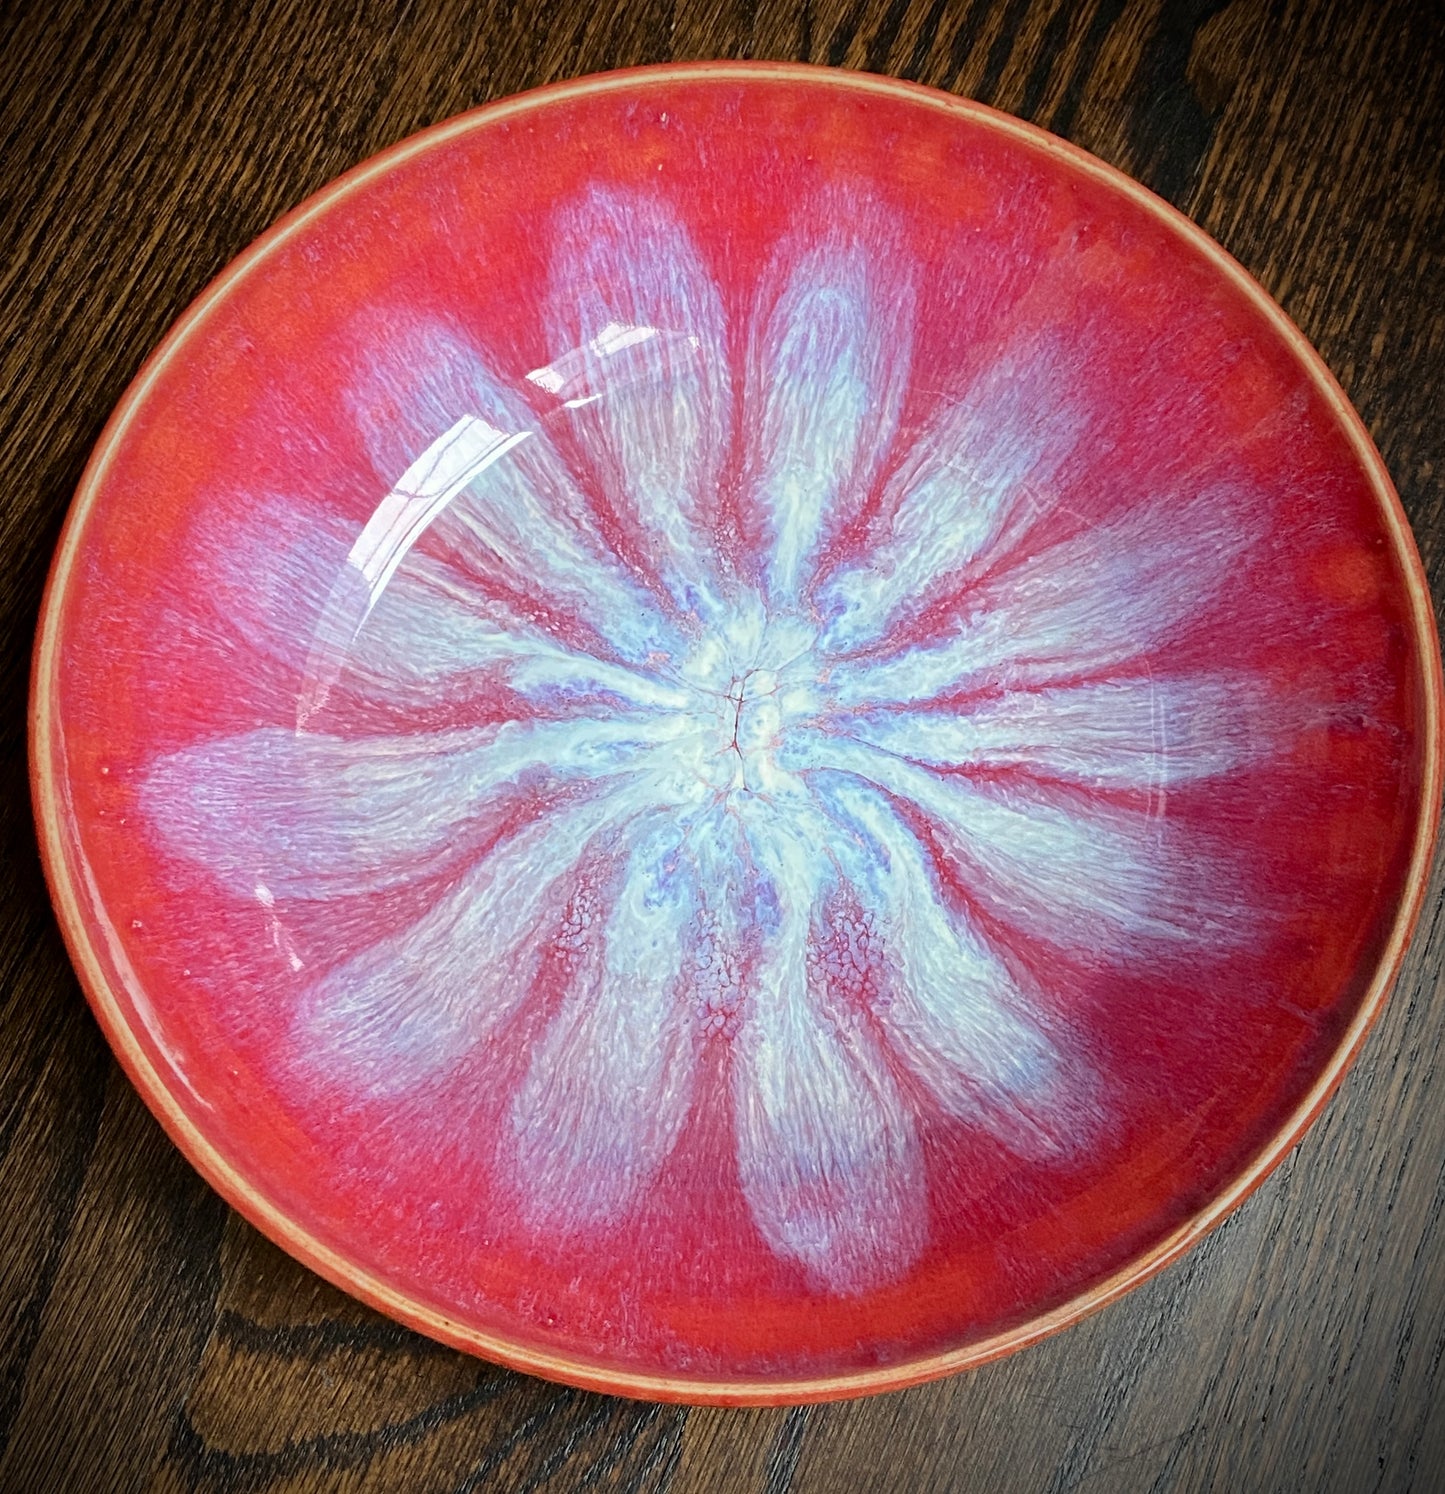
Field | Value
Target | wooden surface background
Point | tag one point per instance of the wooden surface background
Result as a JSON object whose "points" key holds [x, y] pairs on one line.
{"points": [[148, 1338]]}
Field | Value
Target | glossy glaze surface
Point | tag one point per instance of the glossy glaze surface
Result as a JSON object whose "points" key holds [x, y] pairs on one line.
{"points": [[739, 765]]}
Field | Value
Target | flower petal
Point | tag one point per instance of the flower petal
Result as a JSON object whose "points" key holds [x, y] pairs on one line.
{"points": [[279, 583], [1085, 877], [981, 468], [828, 1156], [308, 816], [466, 458], [411, 1005], [827, 373], [645, 377], [951, 1009], [610, 1083], [1092, 602], [1150, 733]]}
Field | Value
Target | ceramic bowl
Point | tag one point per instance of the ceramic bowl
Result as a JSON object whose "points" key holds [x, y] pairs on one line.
{"points": [[735, 733]]}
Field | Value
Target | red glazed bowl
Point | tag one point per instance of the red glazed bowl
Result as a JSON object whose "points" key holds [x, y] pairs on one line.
{"points": [[736, 733]]}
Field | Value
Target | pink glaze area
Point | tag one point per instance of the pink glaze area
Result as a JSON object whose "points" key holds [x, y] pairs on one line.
{"points": [[736, 730]]}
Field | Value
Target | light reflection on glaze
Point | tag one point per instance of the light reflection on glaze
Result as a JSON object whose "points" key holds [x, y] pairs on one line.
{"points": [[704, 811]]}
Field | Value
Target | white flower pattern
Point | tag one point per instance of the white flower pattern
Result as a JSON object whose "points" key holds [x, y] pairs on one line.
{"points": [[790, 713]]}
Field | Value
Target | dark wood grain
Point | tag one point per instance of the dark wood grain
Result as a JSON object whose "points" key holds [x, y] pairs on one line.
{"points": [[149, 1339]]}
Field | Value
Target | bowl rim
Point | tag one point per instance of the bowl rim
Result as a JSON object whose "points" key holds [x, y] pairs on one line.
{"points": [[102, 967]]}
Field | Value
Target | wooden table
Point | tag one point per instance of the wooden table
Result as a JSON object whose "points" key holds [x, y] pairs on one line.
{"points": [[149, 1338]]}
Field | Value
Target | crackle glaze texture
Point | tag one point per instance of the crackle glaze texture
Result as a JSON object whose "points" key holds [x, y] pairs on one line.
{"points": [[736, 729]]}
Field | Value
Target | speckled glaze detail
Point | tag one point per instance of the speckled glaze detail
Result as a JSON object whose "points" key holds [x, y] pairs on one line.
{"points": [[731, 775]]}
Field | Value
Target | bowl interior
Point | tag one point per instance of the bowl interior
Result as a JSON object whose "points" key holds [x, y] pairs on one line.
{"points": [[735, 733]]}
